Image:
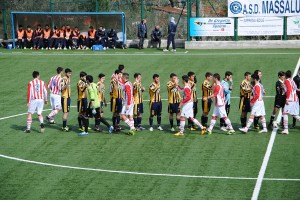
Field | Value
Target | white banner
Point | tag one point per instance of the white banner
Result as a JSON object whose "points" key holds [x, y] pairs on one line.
{"points": [[254, 8], [211, 27], [254, 26], [293, 25]]}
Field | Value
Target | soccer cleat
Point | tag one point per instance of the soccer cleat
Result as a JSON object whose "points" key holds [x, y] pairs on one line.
{"points": [[151, 129], [263, 131], [141, 128], [257, 127], [285, 131], [172, 129], [83, 133], [203, 130], [27, 131], [223, 128], [160, 128], [81, 129], [42, 128], [165, 50], [244, 130], [230, 132], [174, 50], [110, 130], [131, 132], [50, 120], [65, 129], [179, 134], [209, 132], [192, 129]]}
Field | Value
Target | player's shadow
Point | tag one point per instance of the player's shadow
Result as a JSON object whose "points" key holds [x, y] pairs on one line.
{"points": [[21, 128]]}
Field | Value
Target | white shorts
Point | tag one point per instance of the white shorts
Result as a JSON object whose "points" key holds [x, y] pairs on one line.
{"points": [[187, 110], [55, 101], [36, 105], [129, 111], [258, 109], [219, 111], [292, 108]]}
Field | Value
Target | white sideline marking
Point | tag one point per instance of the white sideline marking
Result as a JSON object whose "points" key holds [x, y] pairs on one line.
{"points": [[146, 100], [138, 54], [139, 173], [263, 168]]}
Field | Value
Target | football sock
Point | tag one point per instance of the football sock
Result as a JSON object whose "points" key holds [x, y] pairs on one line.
{"points": [[79, 121], [97, 122], [178, 122], [212, 124], [263, 121], [158, 120], [228, 123], [118, 120], [86, 124], [256, 121], [285, 121], [41, 119], [182, 124], [64, 123], [171, 122], [151, 121], [127, 121], [132, 123], [114, 119], [294, 121], [139, 121], [222, 122], [53, 113], [29, 121], [272, 119], [195, 121], [101, 119], [250, 121], [190, 123], [202, 120], [205, 121], [243, 121], [135, 122]]}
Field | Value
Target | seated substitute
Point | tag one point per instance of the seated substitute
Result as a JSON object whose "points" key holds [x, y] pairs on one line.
{"points": [[156, 35], [112, 39]]}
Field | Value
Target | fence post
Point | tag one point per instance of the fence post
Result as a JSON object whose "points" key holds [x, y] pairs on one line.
{"points": [[142, 9], [189, 10], [50, 5], [97, 6], [284, 28], [4, 21], [197, 14], [236, 21]]}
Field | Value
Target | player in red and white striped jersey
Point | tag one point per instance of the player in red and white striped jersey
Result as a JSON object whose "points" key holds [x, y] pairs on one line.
{"points": [[36, 95], [54, 86], [127, 109], [187, 110], [219, 109], [258, 106], [292, 102]]}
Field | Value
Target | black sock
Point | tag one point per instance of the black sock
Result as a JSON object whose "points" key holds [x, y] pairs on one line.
{"points": [[190, 123], [64, 123], [171, 122], [118, 120], [79, 121], [151, 121], [86, 124], [139, 121], [222, 122], [202, 120], [104, 122], [135, 122], [256, 121], [178, 122], [272, 119], [294, 122], [114, 119], [205, 121], [244, 122], [281, 121], [97, 122], [158, 120]]}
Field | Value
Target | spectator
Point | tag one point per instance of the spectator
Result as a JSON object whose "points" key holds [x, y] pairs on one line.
{"points": [[112, 39], [142, 33], [29, 38], [156, 35], [53, 42], [171, 34], [38, 38], [21, 35], [47, 35], [75, 37], [68, 37], [101, 37], [91, 37]]}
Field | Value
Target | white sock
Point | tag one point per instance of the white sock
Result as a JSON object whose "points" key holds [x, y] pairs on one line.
{"points": [[41, 119], [250, 121], [285, 120], [263, 121], [196, 122], [212, 124], [29, 121], [228, 123], [53, 113], [127, 121], [181, 127]]}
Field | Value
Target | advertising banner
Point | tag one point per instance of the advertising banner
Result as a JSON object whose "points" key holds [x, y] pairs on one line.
{"points": [[266, 8], [211, 27], [293, 25], [254, 26]]}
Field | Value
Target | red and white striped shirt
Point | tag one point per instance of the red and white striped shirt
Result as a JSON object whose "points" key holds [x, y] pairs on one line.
{"points": [[36, 90], [258, 93], [55, 84], [187, 94], [291, 90], [128, 93], [219, 95]]}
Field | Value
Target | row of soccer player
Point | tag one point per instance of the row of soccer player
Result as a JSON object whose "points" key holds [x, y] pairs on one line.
{"points": [[127, 101], [64, 38]]}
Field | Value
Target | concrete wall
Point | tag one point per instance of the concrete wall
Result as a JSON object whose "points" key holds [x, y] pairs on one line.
{"points": [[249, 44], [149, 44]]}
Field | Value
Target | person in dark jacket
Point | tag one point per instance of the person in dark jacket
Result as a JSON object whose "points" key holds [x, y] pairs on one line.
{"points": [[171, 34], [101, 37], [112, 39], [156, 35], [297, 81], [142, 33]]}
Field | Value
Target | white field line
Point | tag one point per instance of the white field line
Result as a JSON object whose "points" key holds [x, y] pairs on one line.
{"points": [[264, 165], [138, 173], [137, 54], [146, 100]]}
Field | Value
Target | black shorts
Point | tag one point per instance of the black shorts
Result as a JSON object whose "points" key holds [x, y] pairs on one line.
{"points": [[90, 113], [280, 101], [195, 107], [116, 105], [206, 105], [65, 104], [173, 108], [138, 109], [244, 105], [82, 105], [155, 108]]}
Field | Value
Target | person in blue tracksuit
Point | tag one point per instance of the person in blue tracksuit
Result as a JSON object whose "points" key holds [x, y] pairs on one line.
{"points": [[171, 34], [142, 33]]}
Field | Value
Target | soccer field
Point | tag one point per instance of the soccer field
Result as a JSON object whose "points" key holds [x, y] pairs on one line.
{"points": [[148, 165]]}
